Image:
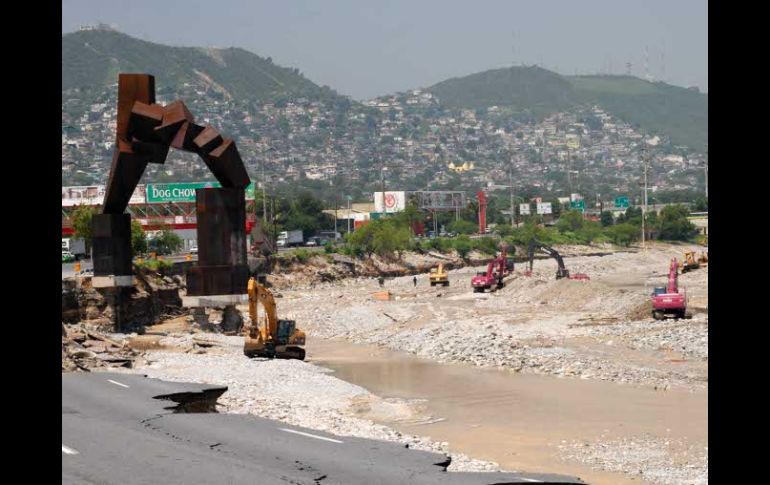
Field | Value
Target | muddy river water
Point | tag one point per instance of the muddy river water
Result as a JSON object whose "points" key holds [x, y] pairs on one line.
{"points": [[516, 420]]}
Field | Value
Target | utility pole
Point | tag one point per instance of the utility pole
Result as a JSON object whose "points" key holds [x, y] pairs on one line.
{"points": [[348, 197], [510, 190], [382, 187], [706, 168], [569, 171], [644, 200]]}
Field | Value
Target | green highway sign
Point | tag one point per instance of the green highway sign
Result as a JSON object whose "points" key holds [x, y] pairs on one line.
{"points": [[621, 202], [183, 192], [578, 204]]}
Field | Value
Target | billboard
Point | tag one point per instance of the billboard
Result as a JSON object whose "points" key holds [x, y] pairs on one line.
{"points": [[393, 201], [183, 192], [94, 195], [524, 209], [440, 200], [544, 208]]}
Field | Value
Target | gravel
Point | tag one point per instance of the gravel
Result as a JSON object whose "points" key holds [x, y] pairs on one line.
{"points": [[597, 329], [654, 459]]}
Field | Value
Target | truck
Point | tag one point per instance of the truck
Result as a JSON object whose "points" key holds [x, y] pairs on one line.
{"points": [[75, 246], [290, 238]]}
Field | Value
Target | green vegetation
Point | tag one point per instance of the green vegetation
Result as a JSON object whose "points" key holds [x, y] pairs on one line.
{"points": [[531, 90], [81, 223], [138, 239], [93, 59], [382, 237], [154, 264], [167, 242], [680, 113]]}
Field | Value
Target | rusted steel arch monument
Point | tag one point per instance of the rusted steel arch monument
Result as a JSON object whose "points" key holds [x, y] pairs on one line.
{"points": [[145, 132]]}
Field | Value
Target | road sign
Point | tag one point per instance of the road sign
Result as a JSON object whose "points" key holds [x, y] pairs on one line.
{"points": [[544, 208], [621, 202], [578, 204], [524, 209]]}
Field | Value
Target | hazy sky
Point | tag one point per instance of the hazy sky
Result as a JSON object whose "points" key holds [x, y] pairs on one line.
{"points": [[366, 48]]}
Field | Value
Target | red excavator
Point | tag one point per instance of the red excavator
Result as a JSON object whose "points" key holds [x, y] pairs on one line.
{"points": [[668, 302], [497, 270]]}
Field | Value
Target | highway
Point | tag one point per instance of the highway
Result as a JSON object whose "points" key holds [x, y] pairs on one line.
{"points": [[116, 429]]}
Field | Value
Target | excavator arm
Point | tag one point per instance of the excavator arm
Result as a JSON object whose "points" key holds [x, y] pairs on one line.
{"points": [[537, 245], [258, 294]]}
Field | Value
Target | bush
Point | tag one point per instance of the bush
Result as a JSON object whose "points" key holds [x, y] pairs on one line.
{"points": [[462, 227], [463, 246], [589, 232], [486, 245], [155, 264], [302, 255], [623, 234], [328, 248]]}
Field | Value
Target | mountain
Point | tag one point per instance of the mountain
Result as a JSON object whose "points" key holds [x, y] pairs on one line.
{"points": [[680, 113], [93, 58]]}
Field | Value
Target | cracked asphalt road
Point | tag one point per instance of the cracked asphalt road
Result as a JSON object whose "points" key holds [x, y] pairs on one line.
{"points": [[115, 430]]}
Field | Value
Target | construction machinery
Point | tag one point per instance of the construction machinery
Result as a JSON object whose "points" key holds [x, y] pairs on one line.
{"points": [[269, 336], [438, 276], [497, 270], [562, 271], [690, 262], [667, 301]]}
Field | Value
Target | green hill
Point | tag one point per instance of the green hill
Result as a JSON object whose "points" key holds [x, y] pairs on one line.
{"points": [[681, 114], [93, 59], [532, 89]]}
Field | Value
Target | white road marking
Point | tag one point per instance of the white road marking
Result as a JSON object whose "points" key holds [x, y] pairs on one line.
{"points": [[530, 480], [68, 450], [117, 383], [310, 435]]}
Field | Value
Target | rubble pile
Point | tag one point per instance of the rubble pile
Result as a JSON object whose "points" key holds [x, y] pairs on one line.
{"points": [[84, 349]]}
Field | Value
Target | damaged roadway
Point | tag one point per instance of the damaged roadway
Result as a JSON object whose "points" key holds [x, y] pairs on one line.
{"points": [[121, 428]]}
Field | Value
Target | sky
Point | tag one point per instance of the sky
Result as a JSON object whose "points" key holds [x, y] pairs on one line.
{"points": [[368, 48]]}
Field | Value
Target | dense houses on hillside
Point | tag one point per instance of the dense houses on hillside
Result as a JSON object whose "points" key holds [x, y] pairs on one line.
{"points": [[419, 142]]}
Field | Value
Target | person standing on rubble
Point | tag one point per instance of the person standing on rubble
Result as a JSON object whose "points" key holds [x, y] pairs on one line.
{"points": [[414, 279], [381, 280]]}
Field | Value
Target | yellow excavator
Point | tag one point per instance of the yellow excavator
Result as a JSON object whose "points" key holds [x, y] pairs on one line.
{"points": [[270, 337], [690, 262], [438, 276]]}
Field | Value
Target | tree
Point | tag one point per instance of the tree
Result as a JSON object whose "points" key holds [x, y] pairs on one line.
{"points": [[167, 242], [138, 239], [81, 223], [674, 225], [462, 227], [590, 231], [607, 219], [570, 221]]}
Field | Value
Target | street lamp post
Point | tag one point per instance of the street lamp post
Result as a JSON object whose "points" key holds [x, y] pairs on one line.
{"points": [[348, 197]]}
